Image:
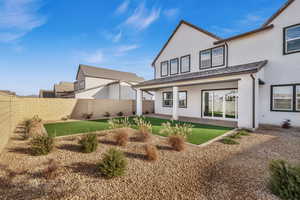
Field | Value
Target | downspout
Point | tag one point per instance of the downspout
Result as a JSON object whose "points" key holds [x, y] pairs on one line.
{"points": [[227, 50], [253, 101], [119, 90]]}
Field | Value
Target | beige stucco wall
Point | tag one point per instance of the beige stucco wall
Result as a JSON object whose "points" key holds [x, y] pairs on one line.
{"points": [[14, 110]]}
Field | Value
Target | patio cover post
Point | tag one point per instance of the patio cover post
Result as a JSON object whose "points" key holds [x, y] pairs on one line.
{"points": [[175, 103], [139, 102]]}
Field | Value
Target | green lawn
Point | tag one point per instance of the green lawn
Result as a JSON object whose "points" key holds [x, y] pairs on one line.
{"points": [[201, 133]]}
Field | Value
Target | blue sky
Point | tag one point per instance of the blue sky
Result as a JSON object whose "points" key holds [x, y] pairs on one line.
{"points": [[43, 41]]}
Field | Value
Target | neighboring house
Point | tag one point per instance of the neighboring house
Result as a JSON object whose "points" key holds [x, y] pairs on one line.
{"points": [[101, 83], [252, 78], [7, 92], [61, 90]]}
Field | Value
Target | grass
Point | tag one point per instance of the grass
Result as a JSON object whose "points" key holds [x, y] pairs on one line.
{"points": [[201, 133]]}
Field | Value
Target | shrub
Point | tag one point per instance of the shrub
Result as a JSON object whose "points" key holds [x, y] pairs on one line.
{"points": [[51, 171], [133, 112], [146, 112], [144, 129], [177, 142], [119, 123], [120, 114], [183, 130], [107, 114], [151, 152], [33, 127], [285, 180], [121, 137], [87, 115], [228, 140], [286, 124], [66, 118], [42, 145], [89, 143], [113, 164], [243, 133]]}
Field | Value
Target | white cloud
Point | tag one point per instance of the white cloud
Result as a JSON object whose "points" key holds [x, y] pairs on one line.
{"points": [[18, 17], [94, 58], [126, 48], [143, 17], [117, 37], [122, 7], [251, 20], [171, 13]]}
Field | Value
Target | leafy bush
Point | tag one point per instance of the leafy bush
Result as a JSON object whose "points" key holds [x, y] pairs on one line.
{"points": [[120, 114], [89, 143], [228, 140], [177, 142], [121, 137], [42, 145], [286, 124], [119, 123], [144, 129], [52, 169], [146, 112], [107, 114], [151, 152], [183, 130], [133, 112], [285, 180], [87, 115], [113, 164]]}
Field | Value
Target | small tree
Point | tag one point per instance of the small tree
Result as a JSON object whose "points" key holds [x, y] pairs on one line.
{"points": [[113, 164], [42, 145], [89, 143]]}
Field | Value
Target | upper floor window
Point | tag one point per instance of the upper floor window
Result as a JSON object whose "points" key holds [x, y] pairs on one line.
{"points": [[292, 39], [212, 57], [174, 66], [164, 69], [285, 98], [185, 64]]}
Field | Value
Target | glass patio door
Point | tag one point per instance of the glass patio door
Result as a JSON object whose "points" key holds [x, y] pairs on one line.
{"points": [[220, 104]]}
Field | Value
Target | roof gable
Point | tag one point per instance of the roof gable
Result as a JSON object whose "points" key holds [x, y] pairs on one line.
{"points": [[175, 31], [97, 72]]}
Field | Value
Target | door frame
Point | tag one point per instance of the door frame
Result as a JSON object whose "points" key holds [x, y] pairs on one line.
{"points": [[202, 104]]}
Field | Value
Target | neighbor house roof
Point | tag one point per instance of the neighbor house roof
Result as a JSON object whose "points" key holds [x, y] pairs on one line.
{"points": [[64, 87], [176, 29], [279, 11], [7, 92], [227, 71], [105, 73]]}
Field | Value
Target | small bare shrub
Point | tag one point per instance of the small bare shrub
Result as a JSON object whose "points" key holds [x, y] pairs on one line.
{"points": [[286, 124], [87, 115], [144, 129], [52, 169], [151, 152], [177, 142], [120, 114], [42, 145], [113, 164], [119, 123], [89, 143], [121, 137], [107, 114], [33, 127]]}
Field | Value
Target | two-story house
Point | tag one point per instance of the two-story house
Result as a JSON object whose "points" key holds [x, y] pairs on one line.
{"points": [[251, 78], [102, 83]]}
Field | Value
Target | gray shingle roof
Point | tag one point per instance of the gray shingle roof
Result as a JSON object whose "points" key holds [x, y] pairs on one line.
{"points": [[109, 74], [227, 71]]}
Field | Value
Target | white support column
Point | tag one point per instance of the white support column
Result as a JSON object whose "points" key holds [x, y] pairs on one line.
{"points": [[139, 102], [175, 103]]}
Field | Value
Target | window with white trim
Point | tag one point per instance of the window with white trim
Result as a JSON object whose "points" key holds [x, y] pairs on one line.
{"points": [[292, 39], [217, 56], [213, 57], [182, 98], [282, 99], [167, 99], [174, 66], [164, 68]]}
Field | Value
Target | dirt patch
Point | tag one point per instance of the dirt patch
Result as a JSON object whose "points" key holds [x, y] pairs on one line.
{"points": [[214, 172]]}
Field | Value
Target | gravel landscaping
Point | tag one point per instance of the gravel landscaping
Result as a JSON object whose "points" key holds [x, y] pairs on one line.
{"points": [[217, 171]]}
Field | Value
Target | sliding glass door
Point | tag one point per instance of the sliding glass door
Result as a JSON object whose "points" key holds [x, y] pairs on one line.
{"points": [[220, 104]]}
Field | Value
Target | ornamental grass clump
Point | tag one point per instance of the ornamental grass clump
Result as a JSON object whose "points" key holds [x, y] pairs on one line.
{"points": [[119, 123], [285, 180], [42, 145], [33, 127], [151, 152], [113, 164], [89, 143], [144, 129], [177, 134], [121, 137]]}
